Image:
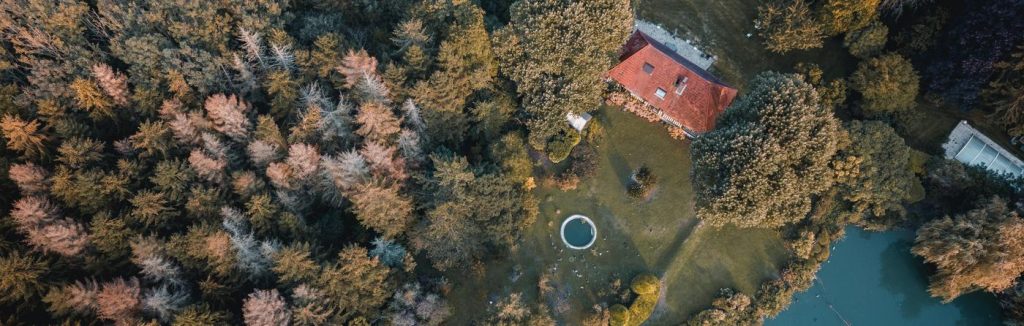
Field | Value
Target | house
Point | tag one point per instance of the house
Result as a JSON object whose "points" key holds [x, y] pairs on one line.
{"points": [[970, 146], [578, 121], [683, 94]]}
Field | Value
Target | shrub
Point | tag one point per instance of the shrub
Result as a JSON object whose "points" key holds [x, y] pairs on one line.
{"points": [[560, 146], [648, 289], [868, 41], [643, 183]]}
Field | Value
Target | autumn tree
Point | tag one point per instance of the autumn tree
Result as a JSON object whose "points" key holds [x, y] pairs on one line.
{"points": [[377, 123], [979, 250], [552, 76], [21, 277], [874, 174], [840, 16], [787, 25], [887, 84], [265, 308], [769, 156], [381, 207], [868, 41], [24, 136], [357, 284]]}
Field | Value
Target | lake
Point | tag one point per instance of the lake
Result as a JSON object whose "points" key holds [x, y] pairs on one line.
{"points": [[873, 279]]}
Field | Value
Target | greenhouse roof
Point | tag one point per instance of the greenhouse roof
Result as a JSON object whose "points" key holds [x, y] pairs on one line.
{"points": [[970, 146]]}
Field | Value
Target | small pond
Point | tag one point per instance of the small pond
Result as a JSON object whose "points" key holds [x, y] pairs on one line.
{"points": [[578, 232], [873, 279]]}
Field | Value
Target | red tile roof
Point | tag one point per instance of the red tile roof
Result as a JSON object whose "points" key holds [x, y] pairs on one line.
{"points": [[703, 98]]}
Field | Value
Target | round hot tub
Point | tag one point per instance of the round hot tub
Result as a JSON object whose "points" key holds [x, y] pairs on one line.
{"points": [[578, 232]]}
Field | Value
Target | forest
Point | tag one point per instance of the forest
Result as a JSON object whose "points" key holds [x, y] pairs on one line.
{"points": [[272, 163], [171, 162]]}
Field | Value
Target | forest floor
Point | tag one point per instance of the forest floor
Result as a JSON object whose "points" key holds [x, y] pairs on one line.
{"points": [[659, 236]]}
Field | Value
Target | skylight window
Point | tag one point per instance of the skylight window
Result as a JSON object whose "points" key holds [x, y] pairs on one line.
{"points": [[660, 93], [648, 68]]}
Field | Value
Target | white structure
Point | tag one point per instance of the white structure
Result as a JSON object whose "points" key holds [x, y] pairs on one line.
{"points": [[970, 146], [684, 48], [578, 121]]}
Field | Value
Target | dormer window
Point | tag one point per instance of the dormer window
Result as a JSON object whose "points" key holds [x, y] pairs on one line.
{"points": [[660, 93], [648, 68], [680, 84]]}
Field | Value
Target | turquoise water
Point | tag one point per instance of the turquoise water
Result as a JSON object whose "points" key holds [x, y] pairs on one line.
{"points": [[578, 232], [873, 279]]}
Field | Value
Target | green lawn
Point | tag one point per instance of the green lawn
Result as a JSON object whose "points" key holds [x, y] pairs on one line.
{"points": [[659, 236]]}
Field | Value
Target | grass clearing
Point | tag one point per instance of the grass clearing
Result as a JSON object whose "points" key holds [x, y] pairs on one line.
{"points": [[660, 236]]}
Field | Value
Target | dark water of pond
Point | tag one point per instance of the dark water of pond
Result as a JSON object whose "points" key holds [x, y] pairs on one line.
{"points": [[873, 279], [578, 232]]}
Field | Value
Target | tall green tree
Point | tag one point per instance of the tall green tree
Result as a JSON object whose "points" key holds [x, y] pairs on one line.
{"points": [[768, 157], [555, 51]]}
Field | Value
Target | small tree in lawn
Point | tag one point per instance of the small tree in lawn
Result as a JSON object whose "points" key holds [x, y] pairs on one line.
{"points": [[642, 184]]}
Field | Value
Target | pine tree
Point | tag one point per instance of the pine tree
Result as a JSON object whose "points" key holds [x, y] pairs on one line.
{"points": [[347, 171], [310, 307], [164, 302], [114, 84], [265, 308], [24, 136], [199, 315], [293, 264], [30, 178], [355, 66], [90, 99], [377, 123], [78, 298], [21, 277], [228, 116], [119, 300], [172, 178], [381, 207], [383, 162], [357, 284], [152, 209], [79, 152], [38, 219], [152, 140]]}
